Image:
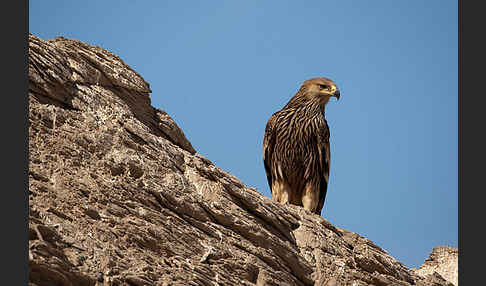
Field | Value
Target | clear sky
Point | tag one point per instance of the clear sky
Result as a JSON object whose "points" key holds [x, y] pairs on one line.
{"points": [[222, 68]]}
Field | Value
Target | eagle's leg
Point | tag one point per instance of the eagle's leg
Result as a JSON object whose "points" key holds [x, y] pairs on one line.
{"points": [[310, 197], [281, 191]]}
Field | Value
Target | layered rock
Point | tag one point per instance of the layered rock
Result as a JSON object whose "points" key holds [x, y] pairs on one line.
{"points": [[118, 196]]}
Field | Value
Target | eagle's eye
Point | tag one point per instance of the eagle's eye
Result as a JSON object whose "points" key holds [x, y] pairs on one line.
{"points": [[322, 86]]}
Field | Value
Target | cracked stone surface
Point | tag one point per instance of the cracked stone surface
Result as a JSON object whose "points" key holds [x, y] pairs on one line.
{"points": [[118, 195]]}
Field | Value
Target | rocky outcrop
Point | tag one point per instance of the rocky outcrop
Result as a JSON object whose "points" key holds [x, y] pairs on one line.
{"points": [[118, 196], [442, 260]]}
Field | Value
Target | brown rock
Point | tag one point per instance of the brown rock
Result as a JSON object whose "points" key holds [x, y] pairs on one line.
{"points": [[442, 260], [118, 196]]}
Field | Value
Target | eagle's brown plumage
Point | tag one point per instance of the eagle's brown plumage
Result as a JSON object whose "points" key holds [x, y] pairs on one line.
{"points": [[296, 150]]}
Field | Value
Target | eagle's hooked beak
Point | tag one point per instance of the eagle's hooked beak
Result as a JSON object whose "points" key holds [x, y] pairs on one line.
{"points": [[337, 94]]}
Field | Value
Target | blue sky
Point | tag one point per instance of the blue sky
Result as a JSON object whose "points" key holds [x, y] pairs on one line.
{"points": [[222, 68]]}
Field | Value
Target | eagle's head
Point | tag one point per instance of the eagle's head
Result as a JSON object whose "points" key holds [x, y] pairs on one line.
{"points": [[321, 89], [315, 92]]}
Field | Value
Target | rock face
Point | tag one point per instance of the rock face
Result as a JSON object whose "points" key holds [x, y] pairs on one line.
{"points": [[443, 260], [118, 196]]}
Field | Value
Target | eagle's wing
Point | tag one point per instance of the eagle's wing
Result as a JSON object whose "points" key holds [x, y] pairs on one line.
{"points": [[325, 164], [268, 144]]}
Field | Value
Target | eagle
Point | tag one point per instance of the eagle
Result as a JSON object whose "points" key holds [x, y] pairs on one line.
{"points": [[296, 151]]}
